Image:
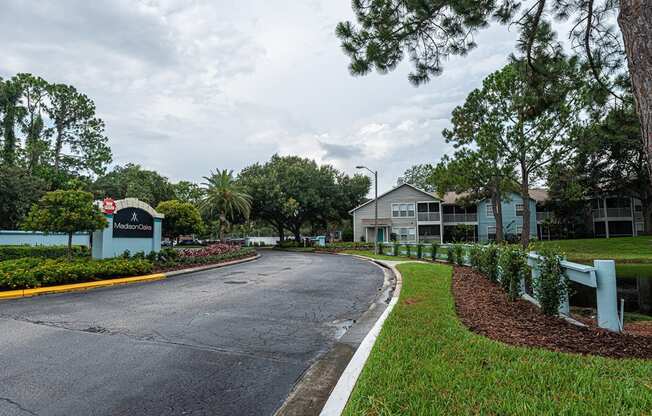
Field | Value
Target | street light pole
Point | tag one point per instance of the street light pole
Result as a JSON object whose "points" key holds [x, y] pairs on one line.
{"points": [[375, 173]]}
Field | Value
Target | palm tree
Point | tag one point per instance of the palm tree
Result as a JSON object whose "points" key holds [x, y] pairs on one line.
{"points": [[224, 199]]}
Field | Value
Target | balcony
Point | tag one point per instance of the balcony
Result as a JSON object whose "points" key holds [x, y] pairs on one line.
{"points": [[468, 217], [623, 212], [429, 216], [542, 216]]}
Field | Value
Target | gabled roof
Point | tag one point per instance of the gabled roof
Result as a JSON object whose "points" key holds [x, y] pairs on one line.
{"points": [[392, 190]]}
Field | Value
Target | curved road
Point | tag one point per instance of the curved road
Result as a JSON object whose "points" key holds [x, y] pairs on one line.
{"points": [[231, 341]]}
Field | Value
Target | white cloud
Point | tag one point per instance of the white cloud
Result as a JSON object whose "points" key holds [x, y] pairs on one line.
{"points": [[188, 86]]}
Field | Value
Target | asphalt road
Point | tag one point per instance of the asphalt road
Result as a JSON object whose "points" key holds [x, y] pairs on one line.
{"points": [[231, 341]]}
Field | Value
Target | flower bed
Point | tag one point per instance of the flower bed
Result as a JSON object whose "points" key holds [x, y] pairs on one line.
{"points": [[170, 259]]}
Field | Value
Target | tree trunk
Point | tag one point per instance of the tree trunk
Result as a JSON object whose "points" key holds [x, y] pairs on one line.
{"points": [[496, 202], [525, 196], [58, 144], [635, 21], [281, 233], [70, 246]]}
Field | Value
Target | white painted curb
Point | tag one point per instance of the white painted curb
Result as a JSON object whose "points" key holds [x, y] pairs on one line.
{"points": [[342, 391]]}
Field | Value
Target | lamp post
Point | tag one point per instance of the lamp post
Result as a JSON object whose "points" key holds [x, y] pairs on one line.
{"points": [[375, 173]]}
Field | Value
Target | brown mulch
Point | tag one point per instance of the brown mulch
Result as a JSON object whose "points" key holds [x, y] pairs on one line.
{"points": [[484, 308]]}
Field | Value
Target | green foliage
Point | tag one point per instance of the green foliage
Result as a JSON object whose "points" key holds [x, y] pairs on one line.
{"points": [[350, 245], [65, 212], [427, 362], [475, 256], [459, 254], [489, 261], [380, 248], [551, 287], [132, 181], [513, 269], [181, 218], [171, 260], [433, 250], [225, 200], [18, 191], [419, 251], [450, 254], [288, 192], [44, 252], [408, 250], [36, 272], [420, 176], [397, 249]]}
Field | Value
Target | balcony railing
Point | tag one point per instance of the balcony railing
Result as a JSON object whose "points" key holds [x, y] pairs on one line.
{"points": [[428, 216], [624, 212], [541, 216], [638, 217], [468, 217]]}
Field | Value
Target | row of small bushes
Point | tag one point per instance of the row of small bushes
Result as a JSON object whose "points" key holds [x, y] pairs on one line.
{"points": [[31, 272], [350, 245], [507, 265], [44, 252], [169, 258]]}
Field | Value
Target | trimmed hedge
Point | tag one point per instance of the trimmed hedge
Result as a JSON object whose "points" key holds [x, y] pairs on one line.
{"points": [[44, 252], [199, 260], [36, 272], [350, 246]]}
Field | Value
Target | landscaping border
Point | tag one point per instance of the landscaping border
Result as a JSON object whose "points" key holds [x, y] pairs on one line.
{"points": [[76, 287]]}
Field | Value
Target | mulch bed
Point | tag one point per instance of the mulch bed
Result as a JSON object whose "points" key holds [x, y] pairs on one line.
{"points": [[484, 308]]}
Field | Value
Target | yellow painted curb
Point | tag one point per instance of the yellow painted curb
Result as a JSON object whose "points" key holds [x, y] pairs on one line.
{"points": [[79, 286]]}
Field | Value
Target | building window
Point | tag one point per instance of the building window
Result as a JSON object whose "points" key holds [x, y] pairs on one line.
{"points": [[405, 234], [402, 210], [519, 229], [490, 211], [519, 209], [491, 232]]}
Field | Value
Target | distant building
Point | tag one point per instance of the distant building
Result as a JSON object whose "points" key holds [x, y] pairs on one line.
{"points": [[409, 214]]}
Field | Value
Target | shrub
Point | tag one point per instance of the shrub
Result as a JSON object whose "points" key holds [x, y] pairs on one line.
{"points": [[45, 252], [34, 272], [241, 252], [450, 254], [397, 249], [489, 262], [419, 251], [475, 256], [380, 248], [349, 246], [551, 287], [513, 268], [459, 254], [434, 249], [408, 250], [289, 244]]}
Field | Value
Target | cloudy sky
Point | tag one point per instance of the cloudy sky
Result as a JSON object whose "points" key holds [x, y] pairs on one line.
{"points": [[186, 86]]}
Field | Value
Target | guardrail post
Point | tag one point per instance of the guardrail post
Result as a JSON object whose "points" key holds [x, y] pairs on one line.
{"points": [[607, 295]]}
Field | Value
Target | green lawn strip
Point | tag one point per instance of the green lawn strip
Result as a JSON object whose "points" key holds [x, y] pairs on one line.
{"points": [[621, 249], [425, 362], [636, 317]]}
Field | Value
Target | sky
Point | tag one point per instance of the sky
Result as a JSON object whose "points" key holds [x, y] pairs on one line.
{"points": [[188, 86]]}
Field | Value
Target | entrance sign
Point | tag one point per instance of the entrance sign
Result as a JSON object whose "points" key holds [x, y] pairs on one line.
{"points": [[133, 223], [133, 226]]}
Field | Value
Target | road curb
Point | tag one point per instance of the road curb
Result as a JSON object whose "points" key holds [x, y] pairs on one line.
{"points": [[77, 287], [339, 397]]}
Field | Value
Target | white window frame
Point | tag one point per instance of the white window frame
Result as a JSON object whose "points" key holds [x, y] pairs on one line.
{"points": [[490, 210], [489, 228], [522, 205], [519, 229], [410, 234], [404, 208]]}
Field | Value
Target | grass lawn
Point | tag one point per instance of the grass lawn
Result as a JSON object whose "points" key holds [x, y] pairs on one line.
{"points": [[621, 249], [426, 362]]}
